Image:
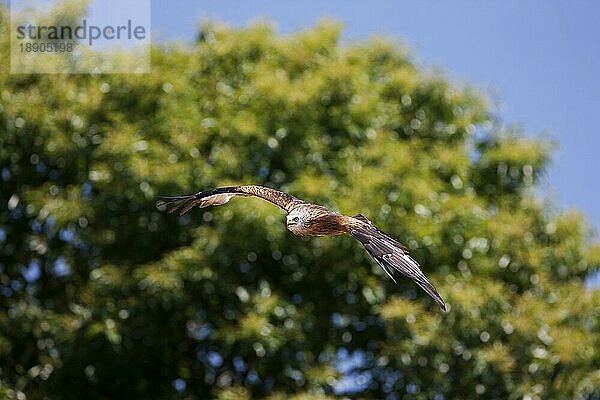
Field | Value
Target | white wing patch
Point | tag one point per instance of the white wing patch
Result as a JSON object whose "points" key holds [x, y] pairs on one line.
{"points": [[185, 204], [216, 200]]}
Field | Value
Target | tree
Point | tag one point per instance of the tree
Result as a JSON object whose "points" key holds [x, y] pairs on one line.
{"points": [[105, 296]]}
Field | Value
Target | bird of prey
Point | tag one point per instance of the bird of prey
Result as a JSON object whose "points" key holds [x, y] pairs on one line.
{"points": [[306, 219]]}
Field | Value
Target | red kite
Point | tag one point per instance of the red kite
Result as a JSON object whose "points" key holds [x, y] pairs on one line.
{"points": [[305, 219]]}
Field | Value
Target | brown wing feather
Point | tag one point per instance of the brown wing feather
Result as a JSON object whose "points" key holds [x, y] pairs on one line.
{"points": [[277, 197], [392, 256], [220, 196]]}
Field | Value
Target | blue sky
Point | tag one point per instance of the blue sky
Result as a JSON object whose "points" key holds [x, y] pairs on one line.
{"points": [[538, 60]]}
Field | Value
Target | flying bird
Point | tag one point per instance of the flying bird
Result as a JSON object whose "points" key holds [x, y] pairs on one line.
{"points": [[306, 219]]}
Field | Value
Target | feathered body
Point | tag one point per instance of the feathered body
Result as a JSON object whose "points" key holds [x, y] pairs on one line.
{"points": [[305, 219], [314, 220]]}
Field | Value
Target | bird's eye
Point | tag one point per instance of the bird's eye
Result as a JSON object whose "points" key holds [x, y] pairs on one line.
{"points": [[295, 219]]}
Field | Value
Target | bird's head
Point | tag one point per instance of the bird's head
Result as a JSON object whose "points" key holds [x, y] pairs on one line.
{"points": [[296, 221]]}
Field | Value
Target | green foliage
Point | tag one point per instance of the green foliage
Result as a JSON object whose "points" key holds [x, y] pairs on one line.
{"points": [[104, 296]]}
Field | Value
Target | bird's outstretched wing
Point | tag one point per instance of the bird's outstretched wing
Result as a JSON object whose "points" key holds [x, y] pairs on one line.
{"points": [[391, 255], [219, 196]]}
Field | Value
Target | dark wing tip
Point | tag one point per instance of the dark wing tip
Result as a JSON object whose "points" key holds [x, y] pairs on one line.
{"points": [[174, 203], [442, 305], [430, 290]]}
